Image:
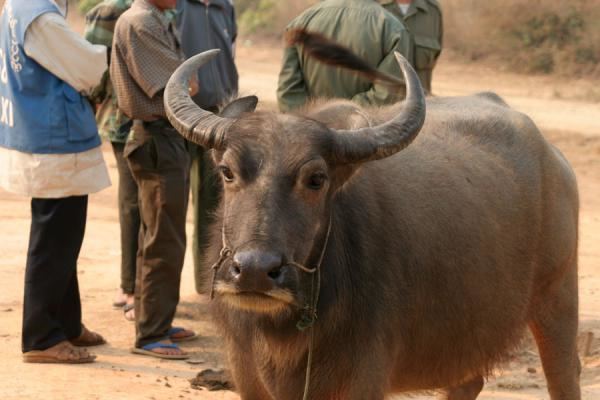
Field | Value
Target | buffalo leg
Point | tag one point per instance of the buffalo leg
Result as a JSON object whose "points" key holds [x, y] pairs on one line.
{"points": [[554, 327], [467, 391]]}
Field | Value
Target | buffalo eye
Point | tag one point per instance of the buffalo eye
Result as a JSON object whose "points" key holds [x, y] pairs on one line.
{"points": [[226, 173], [316, 181]]}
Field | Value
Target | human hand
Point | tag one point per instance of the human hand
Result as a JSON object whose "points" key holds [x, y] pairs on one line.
{"points": [[194, 86]]}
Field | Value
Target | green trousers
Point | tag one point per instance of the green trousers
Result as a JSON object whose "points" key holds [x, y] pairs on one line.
{"points": [[206, 189], [159, 161], [129, 219]]}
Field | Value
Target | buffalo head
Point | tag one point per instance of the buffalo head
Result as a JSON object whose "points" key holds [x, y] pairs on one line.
{"points": [[280, 173]]}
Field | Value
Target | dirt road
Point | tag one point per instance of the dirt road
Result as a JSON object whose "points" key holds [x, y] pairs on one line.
{"points": [[573, 126]]}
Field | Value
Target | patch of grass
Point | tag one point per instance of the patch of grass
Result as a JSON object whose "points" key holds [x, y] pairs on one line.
{"points": [[586, 55], [259, 19], [543, 62], [268, 17], [544, 36], [550, 30]]}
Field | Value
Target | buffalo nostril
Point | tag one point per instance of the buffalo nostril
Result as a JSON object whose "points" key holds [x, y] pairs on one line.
{"points": [[235, 270], [275, 273]]}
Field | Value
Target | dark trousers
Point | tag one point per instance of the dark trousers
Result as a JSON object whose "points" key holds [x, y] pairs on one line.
{"points": [[206, 189], [159, 161], [129, 219], [51, 306]]}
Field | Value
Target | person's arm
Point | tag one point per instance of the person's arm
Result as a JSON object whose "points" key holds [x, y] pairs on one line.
{"points": [[99, 29], [65, 54], [380, 94], [291, 88], [100, 25]]}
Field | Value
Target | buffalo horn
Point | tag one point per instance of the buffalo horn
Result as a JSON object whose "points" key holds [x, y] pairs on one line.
{"points": [[194, 123], [373, 143]]}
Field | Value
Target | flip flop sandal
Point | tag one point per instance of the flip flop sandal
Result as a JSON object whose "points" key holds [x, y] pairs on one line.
{"points": [[117, 305], [175, 330], [87, 338], [62, 356], [126, 309], [147, 351]]}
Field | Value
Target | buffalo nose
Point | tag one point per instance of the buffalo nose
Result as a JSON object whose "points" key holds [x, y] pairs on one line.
{"points": [[256, 270]]}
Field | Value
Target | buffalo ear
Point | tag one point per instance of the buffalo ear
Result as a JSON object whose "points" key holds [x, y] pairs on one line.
{"points": [[239, 106]]}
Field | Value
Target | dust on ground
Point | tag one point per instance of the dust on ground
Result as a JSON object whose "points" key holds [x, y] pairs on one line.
{"points": [[571, 125]]}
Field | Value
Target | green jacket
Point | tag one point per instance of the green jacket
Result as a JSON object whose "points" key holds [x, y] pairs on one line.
{"points": [[99, 29], [365, 28], [424, 22]]}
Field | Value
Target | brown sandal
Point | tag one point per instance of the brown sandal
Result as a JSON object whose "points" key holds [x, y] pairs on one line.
{"points": [[61, 353], [87, 338]]}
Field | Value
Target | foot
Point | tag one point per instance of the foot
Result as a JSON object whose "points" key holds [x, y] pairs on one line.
{"points": [[120, 299], [162, 349], [129, 311], [61, 353], [177, 334], [88, 338], [169, 351]]}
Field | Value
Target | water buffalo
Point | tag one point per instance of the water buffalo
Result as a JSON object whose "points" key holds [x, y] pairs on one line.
{"points": [[355, 258]]}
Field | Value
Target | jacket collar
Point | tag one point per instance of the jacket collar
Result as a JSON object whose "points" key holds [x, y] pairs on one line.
{"points": [[420, 4], [414, 5]]}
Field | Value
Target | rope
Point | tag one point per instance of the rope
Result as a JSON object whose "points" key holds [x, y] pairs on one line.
{"points": [[312, 313], [309, 316], [223, 255]]}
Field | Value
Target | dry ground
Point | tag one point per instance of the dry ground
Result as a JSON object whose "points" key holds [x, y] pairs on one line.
{"points": [[573, 126]]}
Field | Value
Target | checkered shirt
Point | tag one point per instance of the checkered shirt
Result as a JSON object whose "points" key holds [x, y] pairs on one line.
{"points": [[145, 53]]}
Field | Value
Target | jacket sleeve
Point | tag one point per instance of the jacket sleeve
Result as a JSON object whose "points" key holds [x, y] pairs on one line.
{"points": [[100, 25], [99, 28], [56, 47], [380, 94], [291, 88]]}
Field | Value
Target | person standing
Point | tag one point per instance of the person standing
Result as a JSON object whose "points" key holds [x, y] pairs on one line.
{"points": [[205, 25], [114, 125], [423, 19], [49, 151], [146, 52], [368, 31]]}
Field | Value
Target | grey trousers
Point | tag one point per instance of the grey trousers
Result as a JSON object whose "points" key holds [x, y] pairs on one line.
{"points": [[159, 161]]}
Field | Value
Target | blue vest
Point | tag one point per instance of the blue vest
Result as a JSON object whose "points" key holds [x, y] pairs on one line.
{"points": [[39, 113]]}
